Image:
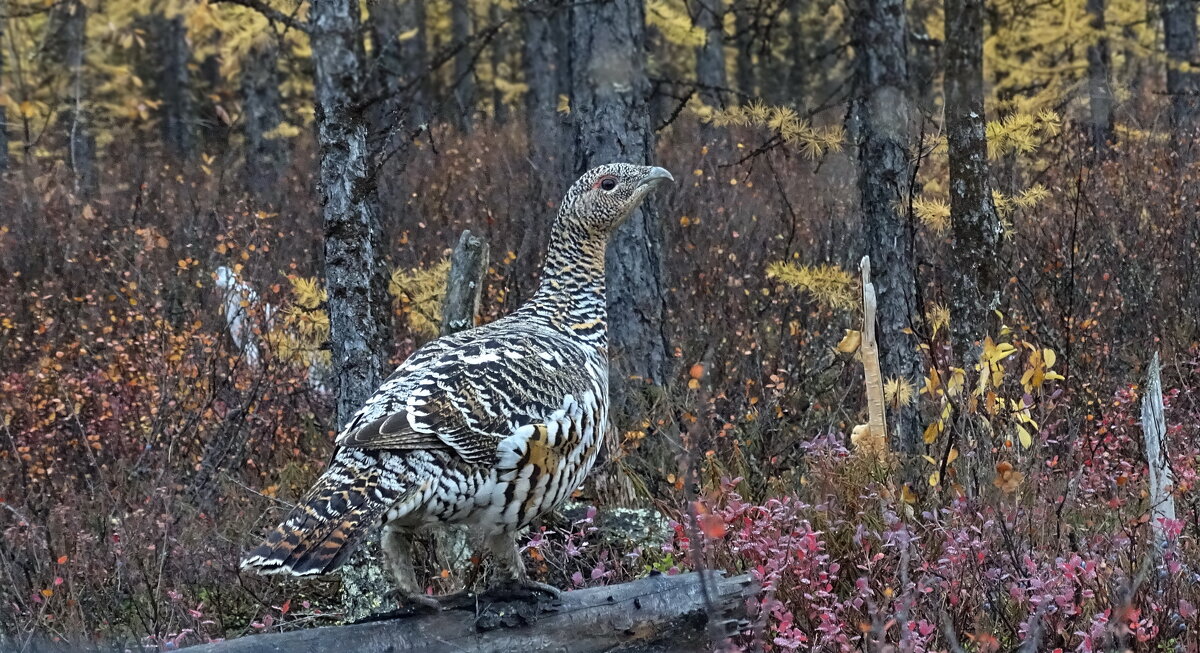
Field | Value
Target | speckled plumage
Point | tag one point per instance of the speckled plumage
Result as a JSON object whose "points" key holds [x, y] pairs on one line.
{"points": [[490, 427]]}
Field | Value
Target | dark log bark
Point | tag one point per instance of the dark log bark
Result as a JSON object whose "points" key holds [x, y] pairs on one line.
{"points": [[664, 614], [709, 15], [883, 133], [463, 111], [464, 285], [612, 123], [262, 113], [355, 273], [1100, 97], [1179, 29], [975, 277]]}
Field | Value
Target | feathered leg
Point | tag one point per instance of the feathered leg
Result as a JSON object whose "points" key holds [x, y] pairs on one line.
{"points": [[510, 567], [397, 549]]}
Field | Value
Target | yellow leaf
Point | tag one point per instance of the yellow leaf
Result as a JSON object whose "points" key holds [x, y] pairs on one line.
{"points": [[1049, 357], [850, 342], [934, 478], [932, 431], [1024, 436]]}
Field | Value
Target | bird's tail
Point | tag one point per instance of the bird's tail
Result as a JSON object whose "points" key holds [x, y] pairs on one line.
{"points": [[323, 529]]}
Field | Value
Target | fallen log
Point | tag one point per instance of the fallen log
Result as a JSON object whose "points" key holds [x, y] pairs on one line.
{"points": [[659, 614]]}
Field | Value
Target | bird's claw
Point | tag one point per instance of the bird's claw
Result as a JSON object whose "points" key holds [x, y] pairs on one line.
{"points": [[523, 590]]}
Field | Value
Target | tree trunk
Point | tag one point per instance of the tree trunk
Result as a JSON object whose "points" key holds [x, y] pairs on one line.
{"points": [[975, 278], [883, 132], [1158, 459], [3, 114], [65, 46], [464, 74], [1179, 29], [398, 32], [744, 26], [547, 76], [612, 124], [1100, 98], [355, 273], [178, 110], [464, 285], [261, 113], [709, 15], [501, 68]]}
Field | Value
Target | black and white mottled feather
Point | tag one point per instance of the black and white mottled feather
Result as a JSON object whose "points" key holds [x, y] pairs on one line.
{"points": [[489, 427]]}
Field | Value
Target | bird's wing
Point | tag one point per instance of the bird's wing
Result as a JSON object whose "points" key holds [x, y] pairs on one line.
{"points": [[466, 395]]}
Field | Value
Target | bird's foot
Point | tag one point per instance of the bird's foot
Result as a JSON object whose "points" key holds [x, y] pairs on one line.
{"points": [[414, 602], [523, 590]]}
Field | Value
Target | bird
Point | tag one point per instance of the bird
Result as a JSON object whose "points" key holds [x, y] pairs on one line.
{"points": [[489, 427], [239, 301]]}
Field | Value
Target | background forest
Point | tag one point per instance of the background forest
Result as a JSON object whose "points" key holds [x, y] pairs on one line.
{"points": [[205, 204]]}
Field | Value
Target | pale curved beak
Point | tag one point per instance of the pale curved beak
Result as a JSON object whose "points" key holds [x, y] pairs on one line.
{"points": [[654, 176]]}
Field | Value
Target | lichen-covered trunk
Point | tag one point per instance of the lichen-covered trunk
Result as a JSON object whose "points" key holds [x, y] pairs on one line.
{"points": [[883, 133], [611, 119], [709, 16], [1100, 98], [547, 78], [178, 110], [974, 270], [463, 111], [1179, 30], [355, 273], [261, 114]]}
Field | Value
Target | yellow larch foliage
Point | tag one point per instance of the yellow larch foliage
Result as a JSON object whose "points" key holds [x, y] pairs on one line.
{"points": [[419, 293], [828, 284], [786, 123]]}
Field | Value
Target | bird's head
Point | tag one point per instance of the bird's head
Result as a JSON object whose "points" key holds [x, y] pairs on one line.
{"points": [[605, 196]]}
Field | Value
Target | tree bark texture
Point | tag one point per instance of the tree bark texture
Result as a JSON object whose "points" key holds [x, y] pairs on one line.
{"points": [[261, 113], [355, 273], [612, 124], [709, 15], [464, 285], [1100, 97], [663, 614], [1179, 29], [975, 277], [464, 74], [883, 132]]}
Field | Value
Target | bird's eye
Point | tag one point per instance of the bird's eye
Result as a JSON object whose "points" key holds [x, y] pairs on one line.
{"points": [[608, 183]]}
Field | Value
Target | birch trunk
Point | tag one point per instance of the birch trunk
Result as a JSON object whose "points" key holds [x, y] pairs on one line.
{"points": [[1162, 480]]}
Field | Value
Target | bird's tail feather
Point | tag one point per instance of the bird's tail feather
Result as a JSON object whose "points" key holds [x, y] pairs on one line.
{"points": [[323, 529]]}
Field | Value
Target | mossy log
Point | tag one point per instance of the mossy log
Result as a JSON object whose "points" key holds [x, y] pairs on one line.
{"points": [[660, 614]]}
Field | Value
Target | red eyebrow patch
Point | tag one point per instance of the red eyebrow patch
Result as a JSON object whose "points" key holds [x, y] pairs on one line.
{"points": [[601, 180]]}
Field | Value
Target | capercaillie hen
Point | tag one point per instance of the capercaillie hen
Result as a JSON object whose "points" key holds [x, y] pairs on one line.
{"points": [[489, 427]]}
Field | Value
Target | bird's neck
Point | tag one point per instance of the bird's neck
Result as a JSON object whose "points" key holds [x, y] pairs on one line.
{"points": [[570, 298]]}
